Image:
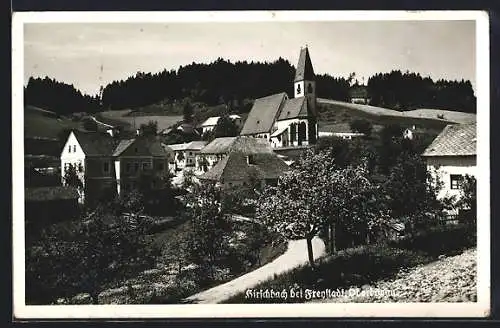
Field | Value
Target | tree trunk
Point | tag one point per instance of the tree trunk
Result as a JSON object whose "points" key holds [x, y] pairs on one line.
{"points": [[95, 298], [310, 251], [333, 246]]}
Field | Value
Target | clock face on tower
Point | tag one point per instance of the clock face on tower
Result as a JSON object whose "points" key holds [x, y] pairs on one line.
{"points": [[298, 89]]}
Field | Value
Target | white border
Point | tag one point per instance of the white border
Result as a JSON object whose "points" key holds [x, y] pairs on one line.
{"points": [[479, 309]]}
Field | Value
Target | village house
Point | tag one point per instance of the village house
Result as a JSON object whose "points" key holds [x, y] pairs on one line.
{"points": [[107, 165], [185, 154], [210, 123], [451, 156], [219, 148], [358, 94], [285, 122], [239, 168]]}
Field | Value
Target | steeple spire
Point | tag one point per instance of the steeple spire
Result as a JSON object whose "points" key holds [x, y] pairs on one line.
{"points": [[305, 69]]}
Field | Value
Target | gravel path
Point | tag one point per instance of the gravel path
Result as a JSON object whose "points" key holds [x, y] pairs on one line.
{"points": [[451, 279], [295, 256]]}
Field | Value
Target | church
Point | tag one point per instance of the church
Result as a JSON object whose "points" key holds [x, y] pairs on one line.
{"points": [[287, 122]]}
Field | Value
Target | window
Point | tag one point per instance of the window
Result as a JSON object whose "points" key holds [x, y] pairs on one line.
{"points": [[135, 149], [69, 149], [127, 167], [106, 167], [190, 153], [136, 167], [74, 148], [161, 167], [145, 166], [455, 180], [309, 88]]}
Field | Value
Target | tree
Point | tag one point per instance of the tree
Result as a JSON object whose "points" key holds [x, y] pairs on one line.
{"points": [[412, 193], [468, 199], [149, 129], [207, 242], [362, 126], [99, 251], [71, 177], [187, 111], [225, 127]]}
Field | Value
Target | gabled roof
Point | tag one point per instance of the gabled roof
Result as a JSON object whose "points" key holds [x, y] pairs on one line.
{"points": [[235, 167], [96, 143], [304, 69], [263, 113], [454, 140], [211, 121], [296, 107], [245, 144], [218, 146], [193, 145], [144, 146], [124, 144], [50, 193]]}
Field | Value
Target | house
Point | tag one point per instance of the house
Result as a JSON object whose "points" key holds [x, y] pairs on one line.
{"points": [[185, 154], [49, 205], [451, 156], [219, 148], [358, 94], [210, 123], [107, 166], [239, 168], [285, 122]]}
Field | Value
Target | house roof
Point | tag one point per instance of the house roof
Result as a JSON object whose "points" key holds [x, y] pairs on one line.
{"points": [[454, 140], [193, 145], [263, 113], [304, 69], [218, 145], [211, 121], [235, 167], [96, 143], [296, 107], [50, 193], [279, 131], [124, 144], [245, 144]]}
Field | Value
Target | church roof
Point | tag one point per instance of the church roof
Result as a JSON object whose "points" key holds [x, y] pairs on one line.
{"points": [[296, 107], [305, 69], [263, 113]]}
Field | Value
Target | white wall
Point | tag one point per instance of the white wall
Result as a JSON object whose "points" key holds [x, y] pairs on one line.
{"points": [[75, 157], [443, 167]]}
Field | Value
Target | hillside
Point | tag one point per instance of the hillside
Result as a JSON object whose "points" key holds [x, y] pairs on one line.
{"points": [[333, 112], [43, 124]]}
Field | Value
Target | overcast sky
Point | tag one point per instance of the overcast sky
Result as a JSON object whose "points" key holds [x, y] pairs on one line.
{"points": [[88, 55]]}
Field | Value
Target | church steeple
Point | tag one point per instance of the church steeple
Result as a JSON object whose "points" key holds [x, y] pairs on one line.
{"points": [[305, 69]]}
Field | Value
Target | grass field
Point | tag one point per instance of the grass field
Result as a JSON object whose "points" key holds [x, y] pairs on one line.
{"points": [[334, 112], [42, 124]]}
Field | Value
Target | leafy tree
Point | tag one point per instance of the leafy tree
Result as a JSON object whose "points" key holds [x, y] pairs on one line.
{"points": [[149, 129], [412, 194], [225, 127], [468, 199], [207, 244], [97, 252], [71, 177], [362, 126], [187, 111]]}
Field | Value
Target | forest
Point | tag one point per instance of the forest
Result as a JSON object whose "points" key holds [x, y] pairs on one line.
{"points": [[224, 82]]}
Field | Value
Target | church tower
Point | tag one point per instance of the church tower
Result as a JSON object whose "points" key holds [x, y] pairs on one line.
{"points": [[304, 82]]}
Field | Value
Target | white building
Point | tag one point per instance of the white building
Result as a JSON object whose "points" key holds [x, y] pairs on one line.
{"points": [[185, 154], [451, 156], [285, 122], [210, 123]]}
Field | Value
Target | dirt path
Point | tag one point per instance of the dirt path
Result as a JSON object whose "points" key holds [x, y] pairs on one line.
{"points": [[295, 256]]}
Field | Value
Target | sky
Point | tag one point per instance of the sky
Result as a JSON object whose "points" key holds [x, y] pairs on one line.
{"points": [[88, 55]]}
